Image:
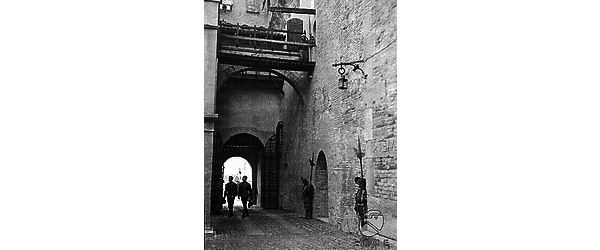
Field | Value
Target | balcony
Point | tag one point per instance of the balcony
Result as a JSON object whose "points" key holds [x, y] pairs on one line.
{"points": [[260, 47]]}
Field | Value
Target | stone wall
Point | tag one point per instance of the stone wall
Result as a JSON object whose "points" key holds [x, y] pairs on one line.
{"points": [[239, 14], [331, 119], [248, 106], [210, 82], [208, 146]]}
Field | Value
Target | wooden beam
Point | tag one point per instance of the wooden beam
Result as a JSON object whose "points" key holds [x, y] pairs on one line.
{"points": [[265, 51], [268, 40], [293, 10], [259, 77], [265, 63], [261, 55], [211, 27]]}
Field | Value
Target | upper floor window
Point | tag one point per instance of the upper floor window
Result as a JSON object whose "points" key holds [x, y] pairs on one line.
{"points": [[252, 6], [226, 4]]}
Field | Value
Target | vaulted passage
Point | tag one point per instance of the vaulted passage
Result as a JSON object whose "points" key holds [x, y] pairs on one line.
{"points": [[241, 146], [243, 154], [249, 102]]}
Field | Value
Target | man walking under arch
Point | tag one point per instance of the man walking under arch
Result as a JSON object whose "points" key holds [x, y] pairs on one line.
{"points": [[231, 190], [245, 193]]}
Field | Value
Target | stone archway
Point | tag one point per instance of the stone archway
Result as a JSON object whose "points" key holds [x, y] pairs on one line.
{"points": [[288, 76], [242, 145]]}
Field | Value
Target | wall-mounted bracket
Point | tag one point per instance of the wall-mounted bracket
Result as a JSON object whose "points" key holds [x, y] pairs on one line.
{"points": [[354, 65]]}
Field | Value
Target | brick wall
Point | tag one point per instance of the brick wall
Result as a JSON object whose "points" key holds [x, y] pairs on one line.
{"points": [[330, 119]]}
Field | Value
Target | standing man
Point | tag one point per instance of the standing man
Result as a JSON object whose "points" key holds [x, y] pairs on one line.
{"points": [[231, 190], [245, 193], [308, 194], [360, 198]]}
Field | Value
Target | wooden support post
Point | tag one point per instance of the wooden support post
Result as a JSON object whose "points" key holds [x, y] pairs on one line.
{"points": [[255, 36], [271, 34], [237, 33]]}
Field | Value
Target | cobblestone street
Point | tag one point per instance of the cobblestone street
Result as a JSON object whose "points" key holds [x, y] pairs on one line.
{"points": [[275, 229]]}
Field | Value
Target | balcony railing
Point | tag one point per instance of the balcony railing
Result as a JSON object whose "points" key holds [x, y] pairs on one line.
{"points": [[264, 43]]}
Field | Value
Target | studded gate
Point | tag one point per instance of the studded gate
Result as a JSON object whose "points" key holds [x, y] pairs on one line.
{"points": [[270, 170]]}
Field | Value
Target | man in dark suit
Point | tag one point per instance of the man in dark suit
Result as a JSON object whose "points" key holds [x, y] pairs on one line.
{"points": [[245, 193], [231, 190]]}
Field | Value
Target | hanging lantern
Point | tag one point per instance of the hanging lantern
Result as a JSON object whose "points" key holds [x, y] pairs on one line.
{"points": [[342, 82]]}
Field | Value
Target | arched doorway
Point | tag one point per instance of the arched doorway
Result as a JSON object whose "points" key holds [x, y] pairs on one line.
{"points": [[236, 167], [240, 146], [321, 209]]}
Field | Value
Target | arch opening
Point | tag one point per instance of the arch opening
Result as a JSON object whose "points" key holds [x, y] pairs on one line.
{"points": [[321, 209], [240, 153], [236, 167]]}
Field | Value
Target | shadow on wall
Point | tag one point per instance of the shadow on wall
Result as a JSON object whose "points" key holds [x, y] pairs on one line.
{"points": [[285, 199], [292, 200]]}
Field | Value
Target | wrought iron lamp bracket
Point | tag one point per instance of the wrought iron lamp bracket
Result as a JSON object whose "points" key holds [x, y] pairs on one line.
{"points": [[355, 67]]}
